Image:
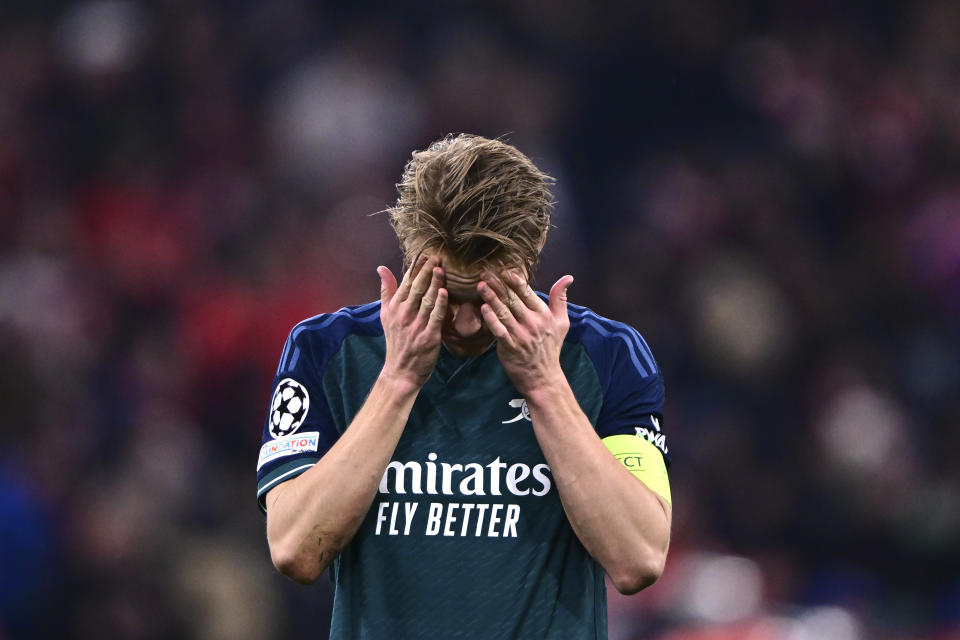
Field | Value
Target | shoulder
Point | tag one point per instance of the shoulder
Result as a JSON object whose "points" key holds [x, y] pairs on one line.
{"points": [[321, 335], [631, 380], [363, 318], [610, 343]]}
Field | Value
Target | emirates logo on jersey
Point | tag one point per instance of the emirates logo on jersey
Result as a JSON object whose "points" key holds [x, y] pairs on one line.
{"points": [[473, 514]]}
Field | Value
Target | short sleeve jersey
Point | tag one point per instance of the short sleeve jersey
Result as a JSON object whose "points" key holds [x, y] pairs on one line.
{"points": [[466, 537]]}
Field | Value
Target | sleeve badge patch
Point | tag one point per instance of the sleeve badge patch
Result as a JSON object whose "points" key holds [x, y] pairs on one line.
{"points": [[288, 407], [297, 443]]}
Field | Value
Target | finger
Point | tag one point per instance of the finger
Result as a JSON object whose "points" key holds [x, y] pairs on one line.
{"points": [[439, 312], [430, 297], [492, 298], [514, 303], [388, 285], [524, 291], [501, 291], [497, 328], [558, 297], [408, 278], [421, 283], [506, 292]]}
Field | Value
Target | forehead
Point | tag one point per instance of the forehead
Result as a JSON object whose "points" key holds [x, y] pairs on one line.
{"points": [[460, 279]]}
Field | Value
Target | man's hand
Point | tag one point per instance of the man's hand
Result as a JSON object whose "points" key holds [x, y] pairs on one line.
{"points": [[529, 332], [412, 316], [311, 518]]}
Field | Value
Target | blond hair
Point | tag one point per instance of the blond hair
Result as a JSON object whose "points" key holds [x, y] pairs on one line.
{"points": [[480, 201]]}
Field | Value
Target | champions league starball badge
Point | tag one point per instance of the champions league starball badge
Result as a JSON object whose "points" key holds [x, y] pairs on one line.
{"points": [[288, 408]]}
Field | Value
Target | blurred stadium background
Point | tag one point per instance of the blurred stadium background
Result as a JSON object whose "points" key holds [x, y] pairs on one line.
{"points": [[768, 191]]}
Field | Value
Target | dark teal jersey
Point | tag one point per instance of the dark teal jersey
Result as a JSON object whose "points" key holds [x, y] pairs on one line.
{"points": [[466, 537]]}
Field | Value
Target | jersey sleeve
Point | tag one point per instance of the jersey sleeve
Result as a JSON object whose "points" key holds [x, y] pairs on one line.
{"points": [[633, 389], [299, 427]]}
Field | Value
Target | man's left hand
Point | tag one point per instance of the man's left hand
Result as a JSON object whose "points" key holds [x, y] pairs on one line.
{"points": [[529, 332]]}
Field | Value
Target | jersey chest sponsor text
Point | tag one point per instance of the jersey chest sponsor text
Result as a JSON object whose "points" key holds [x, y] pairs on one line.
{"points": [[468, 518]]}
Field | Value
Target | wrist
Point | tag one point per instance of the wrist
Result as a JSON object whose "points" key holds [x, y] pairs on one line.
{"points": [[397, 384], [546, 390]]}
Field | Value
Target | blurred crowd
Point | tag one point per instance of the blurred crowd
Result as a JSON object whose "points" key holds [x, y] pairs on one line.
{"points": [[769, 192]]}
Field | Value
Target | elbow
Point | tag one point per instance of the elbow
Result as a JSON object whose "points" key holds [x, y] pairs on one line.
{"points": [[296, 565], [643, 571]]}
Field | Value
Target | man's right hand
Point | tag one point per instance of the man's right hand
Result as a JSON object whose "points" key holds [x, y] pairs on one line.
{"points": [[311, 518], [412, 317]]}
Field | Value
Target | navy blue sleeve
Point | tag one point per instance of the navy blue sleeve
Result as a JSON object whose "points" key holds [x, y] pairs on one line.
{"points": [[634, 405], [298, 428], [631, 381]]}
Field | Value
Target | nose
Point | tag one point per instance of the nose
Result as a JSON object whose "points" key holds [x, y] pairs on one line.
{"points": [[467, 319]]}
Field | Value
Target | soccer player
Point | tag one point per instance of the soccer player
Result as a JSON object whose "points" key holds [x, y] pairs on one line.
{"points": [[468, 456]]}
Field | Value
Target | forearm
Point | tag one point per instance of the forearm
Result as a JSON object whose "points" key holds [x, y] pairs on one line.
{"points": [[312, 517], [621, 523]]}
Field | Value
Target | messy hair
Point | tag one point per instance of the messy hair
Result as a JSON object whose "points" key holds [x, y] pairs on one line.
{"points": [[480, 201]]}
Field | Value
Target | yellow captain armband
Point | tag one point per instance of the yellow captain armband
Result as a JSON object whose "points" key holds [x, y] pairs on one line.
{"points": [[643, 460]]}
